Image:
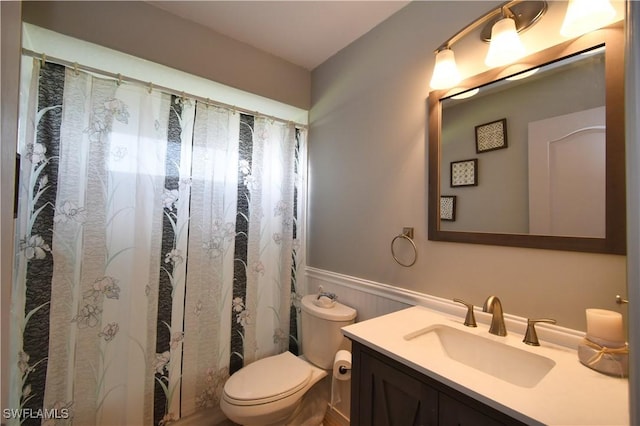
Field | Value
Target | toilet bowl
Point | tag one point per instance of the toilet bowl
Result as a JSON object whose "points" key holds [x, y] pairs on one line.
{"points": [[270, 390]]}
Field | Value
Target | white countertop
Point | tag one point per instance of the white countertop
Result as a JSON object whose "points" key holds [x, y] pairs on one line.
{"points": [[570, 394]]}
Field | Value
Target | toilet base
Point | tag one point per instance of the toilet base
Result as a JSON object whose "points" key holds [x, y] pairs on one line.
{"points": [[308, 411], [312, 407]]}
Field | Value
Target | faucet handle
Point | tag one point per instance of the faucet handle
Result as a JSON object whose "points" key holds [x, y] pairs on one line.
{"points": [[531, 337], [470, 319]]}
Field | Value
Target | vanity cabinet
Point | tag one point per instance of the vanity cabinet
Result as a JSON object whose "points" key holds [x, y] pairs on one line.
{"points": [[386, 393]]}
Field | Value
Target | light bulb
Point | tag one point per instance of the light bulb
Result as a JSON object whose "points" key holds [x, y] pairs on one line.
{"points": [[445, 71], [505, 46], [586, 15]]}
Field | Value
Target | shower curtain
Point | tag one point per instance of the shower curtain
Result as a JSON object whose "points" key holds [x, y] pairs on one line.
{"points": [[156, 250]]}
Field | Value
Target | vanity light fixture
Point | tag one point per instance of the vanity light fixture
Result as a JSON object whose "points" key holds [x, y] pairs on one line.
{"points": [[506, 46], [501, 28], [586, 15], [445, 73]]}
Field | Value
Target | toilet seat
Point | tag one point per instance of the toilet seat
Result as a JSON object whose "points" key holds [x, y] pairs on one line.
{"points": [[267, 380]]}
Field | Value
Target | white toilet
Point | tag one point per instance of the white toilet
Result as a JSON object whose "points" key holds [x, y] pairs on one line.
{"points": [[268, 391]]}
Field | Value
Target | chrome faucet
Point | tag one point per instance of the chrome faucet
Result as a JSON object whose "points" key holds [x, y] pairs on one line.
{"points": [[494, 306]]}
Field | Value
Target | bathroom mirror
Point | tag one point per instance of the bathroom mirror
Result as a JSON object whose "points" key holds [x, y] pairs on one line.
{"points": [[536, 157]]}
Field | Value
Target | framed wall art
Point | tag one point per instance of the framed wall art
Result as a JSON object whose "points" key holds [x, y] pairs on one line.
{"points": [[448, 207], [491, 136], [464, 173]]}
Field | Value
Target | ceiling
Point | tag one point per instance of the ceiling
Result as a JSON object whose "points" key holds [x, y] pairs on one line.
{"points": [[305, 33]]}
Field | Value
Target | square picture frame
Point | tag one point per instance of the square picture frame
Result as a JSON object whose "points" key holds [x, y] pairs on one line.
{"points": [[491, 136], [464, 173], [448, 207]]}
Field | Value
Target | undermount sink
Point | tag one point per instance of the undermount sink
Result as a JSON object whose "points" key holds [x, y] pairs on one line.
{"points": [[516, 366]]}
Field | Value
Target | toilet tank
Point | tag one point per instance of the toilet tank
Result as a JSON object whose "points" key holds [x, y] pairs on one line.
{"points": [[321, 335]]}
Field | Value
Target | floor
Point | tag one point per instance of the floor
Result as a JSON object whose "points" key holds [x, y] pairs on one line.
{"points": [[333, 420], [329, 420]]}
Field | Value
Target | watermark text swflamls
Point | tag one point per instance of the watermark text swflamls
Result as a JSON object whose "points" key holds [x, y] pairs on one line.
{"points": [[41, 413]]}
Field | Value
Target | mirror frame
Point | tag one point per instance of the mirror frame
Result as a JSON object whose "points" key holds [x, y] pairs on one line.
{"points": [[615, 235]]}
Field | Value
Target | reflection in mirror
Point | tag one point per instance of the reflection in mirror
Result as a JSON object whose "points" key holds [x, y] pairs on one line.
{"points": [[535, 159], [539, 143]]}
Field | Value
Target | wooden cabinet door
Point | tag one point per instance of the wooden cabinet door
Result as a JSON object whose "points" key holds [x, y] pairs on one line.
{"points": [[385, 392], [455, 413], [388, 397]]}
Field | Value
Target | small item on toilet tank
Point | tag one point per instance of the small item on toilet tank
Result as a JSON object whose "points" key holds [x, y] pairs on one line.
{"points": [[324, 302]]}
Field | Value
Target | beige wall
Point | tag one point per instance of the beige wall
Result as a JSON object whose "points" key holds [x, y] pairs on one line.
{"points": [[147, 32], [368, 166], [10, 73]]}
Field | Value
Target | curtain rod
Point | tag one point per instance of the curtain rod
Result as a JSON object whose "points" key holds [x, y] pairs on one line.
{"points": [[121, 78]]}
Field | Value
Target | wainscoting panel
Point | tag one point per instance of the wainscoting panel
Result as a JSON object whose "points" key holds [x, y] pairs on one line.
{"points": [[372, 299]]}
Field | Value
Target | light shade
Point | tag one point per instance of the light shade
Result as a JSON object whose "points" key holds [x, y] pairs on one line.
{"points": [[586, 15], [505, 46], [445, 72]]}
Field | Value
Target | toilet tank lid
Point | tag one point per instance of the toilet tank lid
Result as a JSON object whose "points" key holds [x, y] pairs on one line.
{"points": [[335, 312]]}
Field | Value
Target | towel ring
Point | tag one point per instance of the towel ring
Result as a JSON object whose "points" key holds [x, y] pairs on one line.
{"points": [[407, 234]]}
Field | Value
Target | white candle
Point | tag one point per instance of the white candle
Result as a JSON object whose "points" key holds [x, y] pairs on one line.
{"points": [[605, 325]]}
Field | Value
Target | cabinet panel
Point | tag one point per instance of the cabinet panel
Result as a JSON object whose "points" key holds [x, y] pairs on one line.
{"points": [[388, 397], [455, 413]]}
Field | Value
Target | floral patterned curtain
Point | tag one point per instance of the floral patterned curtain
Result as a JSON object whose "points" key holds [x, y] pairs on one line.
{"points": [[156, 251]]}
